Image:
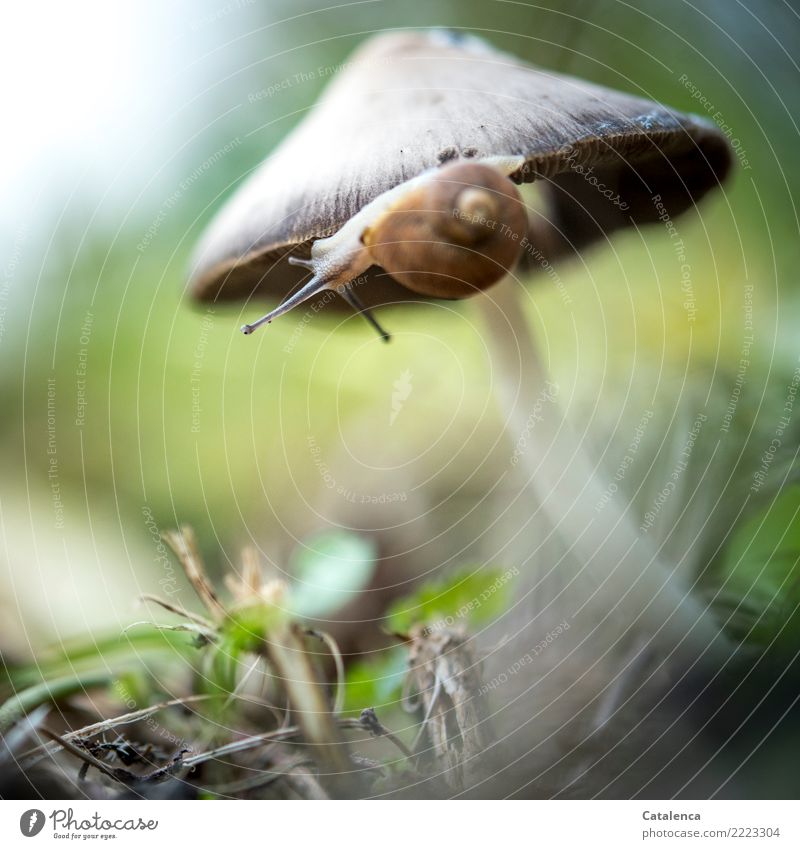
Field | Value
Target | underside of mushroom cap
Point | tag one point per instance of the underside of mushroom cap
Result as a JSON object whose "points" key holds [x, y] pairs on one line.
{"points": [[407, 102]]}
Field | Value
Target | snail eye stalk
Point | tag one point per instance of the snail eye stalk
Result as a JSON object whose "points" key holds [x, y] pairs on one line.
{"points": [[313, 287], [358, 305]]}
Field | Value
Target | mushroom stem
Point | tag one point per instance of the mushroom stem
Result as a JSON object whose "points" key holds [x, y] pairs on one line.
{"points": [[626, 566]]}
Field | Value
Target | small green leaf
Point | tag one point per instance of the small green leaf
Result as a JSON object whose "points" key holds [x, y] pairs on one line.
{"points": [[471, 596], [376, 682], [248, 625], [330, 570]]}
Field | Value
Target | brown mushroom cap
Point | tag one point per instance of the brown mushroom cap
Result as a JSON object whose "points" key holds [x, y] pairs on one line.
{"points": [[406, 102]]}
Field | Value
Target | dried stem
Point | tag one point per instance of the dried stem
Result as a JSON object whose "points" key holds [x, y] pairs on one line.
{"points": [[184, 544], [292, 664]]}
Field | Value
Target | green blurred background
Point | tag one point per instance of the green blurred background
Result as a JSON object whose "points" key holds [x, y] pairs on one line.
{"points": [[127, 409]]}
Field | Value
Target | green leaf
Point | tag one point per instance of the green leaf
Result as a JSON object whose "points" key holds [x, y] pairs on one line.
{"points": [[49, 691], [330, 570], [105, 650], [470, 596], [761, 568], [376, 682]]}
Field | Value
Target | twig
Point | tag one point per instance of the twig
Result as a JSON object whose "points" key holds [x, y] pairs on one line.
{"points": [[123, 776], [369, 721], [52, 748], [276, 736], [88, 758]]}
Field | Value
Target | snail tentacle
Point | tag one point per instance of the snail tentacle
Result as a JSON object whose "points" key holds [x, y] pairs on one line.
{"points": [[303, 263], [358, 305], [313, 287]]}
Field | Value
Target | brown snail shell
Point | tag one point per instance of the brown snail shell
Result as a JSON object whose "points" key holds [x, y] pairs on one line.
{"points": [[453, 235]]}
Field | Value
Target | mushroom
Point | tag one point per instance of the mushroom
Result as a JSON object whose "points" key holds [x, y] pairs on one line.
{"points": [[400, 184]]}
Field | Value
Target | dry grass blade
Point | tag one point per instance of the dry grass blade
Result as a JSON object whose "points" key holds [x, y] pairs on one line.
{"points": [[178, 610], [251, 569], [184, 543], [204, 635], [279, 735], [244, 745], [247, 585], [293, 667]]}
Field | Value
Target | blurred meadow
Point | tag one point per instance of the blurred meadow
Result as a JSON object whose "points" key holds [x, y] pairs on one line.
{"points": [[128, 410]]}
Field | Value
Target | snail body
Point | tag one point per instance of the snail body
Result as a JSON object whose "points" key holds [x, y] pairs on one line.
{"points": [[448, 233]]}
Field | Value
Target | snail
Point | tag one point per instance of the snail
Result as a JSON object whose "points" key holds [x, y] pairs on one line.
{"points": [[448, 233]]}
